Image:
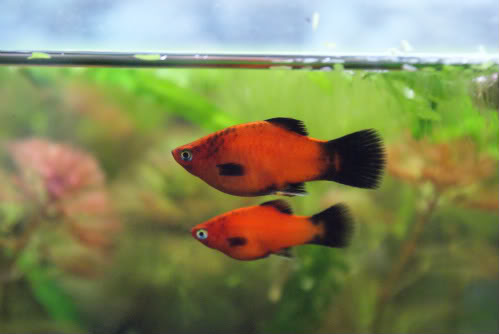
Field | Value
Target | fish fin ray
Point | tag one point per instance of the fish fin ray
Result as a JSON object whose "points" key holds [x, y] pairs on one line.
{"points": [[290, 124], [285, 252], [231, 169], [280, 205], [338, 226], [292, 189], [237, 241], [357, 159]]}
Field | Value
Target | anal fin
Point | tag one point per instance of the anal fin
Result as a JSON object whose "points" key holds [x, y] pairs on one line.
{"points": [[285, 252], [292, 189]]}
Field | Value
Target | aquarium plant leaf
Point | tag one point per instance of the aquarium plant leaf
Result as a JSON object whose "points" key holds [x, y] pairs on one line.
{"points": [[171, 95], [46, 290], [146, 57], [186, 103], [39, 55], [308, 293]]}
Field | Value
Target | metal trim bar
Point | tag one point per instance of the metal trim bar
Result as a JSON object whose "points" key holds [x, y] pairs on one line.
{"points": [[411, 61]]}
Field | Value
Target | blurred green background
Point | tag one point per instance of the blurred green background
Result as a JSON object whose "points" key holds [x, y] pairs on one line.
{"points": [[95, 213]]}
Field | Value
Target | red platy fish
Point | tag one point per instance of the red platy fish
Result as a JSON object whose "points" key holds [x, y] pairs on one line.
{"points": [[276, 156], [270, 228]]}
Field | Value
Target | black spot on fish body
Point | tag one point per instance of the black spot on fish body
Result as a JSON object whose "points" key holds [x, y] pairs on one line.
{"points": [[227, 132], [237, 241], [213, 144], [231, 169]]}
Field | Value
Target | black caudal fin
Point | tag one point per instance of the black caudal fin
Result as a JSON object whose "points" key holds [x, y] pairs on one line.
{"points": [[357, 159], [338, 226]]}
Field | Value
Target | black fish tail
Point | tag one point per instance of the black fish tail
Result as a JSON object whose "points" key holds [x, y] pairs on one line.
{"points": [[338, 226], [357, 159]]}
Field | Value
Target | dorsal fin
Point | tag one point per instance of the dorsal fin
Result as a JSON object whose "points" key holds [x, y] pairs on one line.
{"points": [[280, 205], [290, 124]]}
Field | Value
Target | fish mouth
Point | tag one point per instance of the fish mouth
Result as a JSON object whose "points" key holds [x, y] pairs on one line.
{"points": [[193, 232], [175, 156]]}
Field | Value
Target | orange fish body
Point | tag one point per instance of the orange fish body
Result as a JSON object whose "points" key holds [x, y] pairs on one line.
{"points": [[255, 232], [276, 157]]}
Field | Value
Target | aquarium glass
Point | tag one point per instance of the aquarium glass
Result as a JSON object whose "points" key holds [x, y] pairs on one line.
{"points": [[96, 214]]}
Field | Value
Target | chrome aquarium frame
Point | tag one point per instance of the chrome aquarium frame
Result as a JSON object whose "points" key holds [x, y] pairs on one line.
{"points": [[402, 61]]}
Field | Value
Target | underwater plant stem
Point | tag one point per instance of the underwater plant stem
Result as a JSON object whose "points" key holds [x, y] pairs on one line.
{"points": [[408, 249], [26, 237]]}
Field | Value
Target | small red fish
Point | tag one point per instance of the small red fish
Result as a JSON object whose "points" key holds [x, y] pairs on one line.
{"points": [[276, 156], [271, 228]]}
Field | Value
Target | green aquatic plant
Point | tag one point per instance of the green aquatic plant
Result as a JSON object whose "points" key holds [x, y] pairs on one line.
{"points": [[58, 192], [153, 276], [447, 171]]}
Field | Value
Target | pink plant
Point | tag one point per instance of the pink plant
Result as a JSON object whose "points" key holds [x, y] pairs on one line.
{"points": [[69, 187], [63, 169]]}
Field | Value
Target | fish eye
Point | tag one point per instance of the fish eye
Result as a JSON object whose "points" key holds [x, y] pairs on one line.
{"points": [[186, 155], [202, 234]]}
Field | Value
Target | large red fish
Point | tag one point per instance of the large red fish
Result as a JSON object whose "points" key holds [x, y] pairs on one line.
{"points": [[276, 156], [270, 228]]}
